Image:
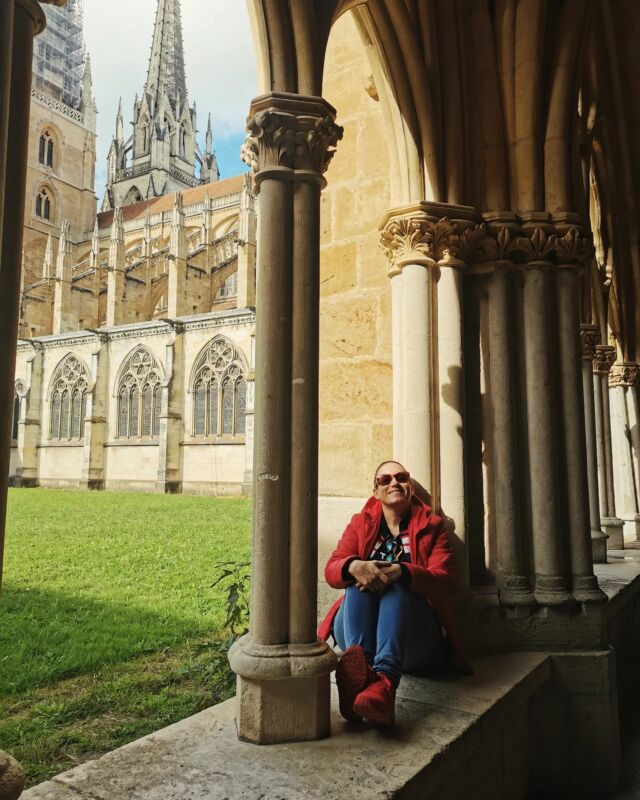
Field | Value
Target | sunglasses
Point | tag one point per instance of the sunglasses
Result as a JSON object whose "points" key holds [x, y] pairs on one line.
{"points": [[385, 479]]}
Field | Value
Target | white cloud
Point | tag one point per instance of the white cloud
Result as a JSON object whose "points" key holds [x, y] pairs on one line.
{"points": [[219, 54]]}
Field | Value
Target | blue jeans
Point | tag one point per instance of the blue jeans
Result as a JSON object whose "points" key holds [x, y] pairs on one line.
{"points": [[397, 629]]}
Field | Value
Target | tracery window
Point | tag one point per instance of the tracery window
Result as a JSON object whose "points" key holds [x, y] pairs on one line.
{"points": [[139, 397], [16, 416], [229, 288], [45, 150], [44, 203], [68, 400], [219, 391]]}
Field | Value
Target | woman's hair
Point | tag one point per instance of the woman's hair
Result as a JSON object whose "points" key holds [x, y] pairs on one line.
{"points": [[381, 464]]}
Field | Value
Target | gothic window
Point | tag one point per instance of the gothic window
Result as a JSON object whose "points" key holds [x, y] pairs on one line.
{"points": [[219, 391], [16, 417], [44, 203], [183, 140], [229, 288], [139, 397], [45, 151], [68, 399]]}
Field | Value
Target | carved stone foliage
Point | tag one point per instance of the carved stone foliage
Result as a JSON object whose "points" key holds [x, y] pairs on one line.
{"points": [[413, 238], [298, 134], [589, 339], [625, 374], [604, 358]]}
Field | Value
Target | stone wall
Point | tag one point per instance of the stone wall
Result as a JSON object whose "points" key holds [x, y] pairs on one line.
{"points": [[101, 456], [355, 310]]}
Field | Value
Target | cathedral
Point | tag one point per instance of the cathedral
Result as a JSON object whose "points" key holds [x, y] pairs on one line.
{"points": [[135, 362]]}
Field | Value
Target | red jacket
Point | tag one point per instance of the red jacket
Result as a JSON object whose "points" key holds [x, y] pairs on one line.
{"points": [[431, 566]]}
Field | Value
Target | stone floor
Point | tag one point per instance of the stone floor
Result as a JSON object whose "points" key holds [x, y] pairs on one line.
{"points": [[442, 725]]}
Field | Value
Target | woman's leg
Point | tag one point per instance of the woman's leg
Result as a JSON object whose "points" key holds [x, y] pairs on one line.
{"points": [[425, 648], [408, 634], [356, 621]]}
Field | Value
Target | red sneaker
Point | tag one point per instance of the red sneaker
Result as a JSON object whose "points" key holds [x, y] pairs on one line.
{"points": [[377, 702], [353, 674]]}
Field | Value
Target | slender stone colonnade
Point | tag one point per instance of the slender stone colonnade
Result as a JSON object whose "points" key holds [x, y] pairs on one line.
{"points": [[283, 671], [541, 259]]}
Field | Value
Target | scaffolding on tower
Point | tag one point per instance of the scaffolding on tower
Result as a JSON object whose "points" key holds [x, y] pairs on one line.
{"points": [[59, 56]]}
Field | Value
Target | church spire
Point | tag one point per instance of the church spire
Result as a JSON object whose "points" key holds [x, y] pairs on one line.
{"points": [[166, 64]]}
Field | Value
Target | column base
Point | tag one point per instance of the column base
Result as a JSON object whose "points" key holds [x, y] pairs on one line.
{"points": [[586, 589], [614, 528], [283, 692], [599, 546], [12, 778], [552, 590], [515, 590], [169, 487]]}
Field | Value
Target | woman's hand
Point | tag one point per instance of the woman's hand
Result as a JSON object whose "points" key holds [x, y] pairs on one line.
{"points": [[374, 576]]}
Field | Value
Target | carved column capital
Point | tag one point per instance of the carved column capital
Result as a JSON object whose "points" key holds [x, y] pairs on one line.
{"points": [[589, 339], [290, 137], [604, 359], [425, 234], [624, 374]]}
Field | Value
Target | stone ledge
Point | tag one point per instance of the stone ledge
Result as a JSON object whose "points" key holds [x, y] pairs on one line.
{"points": [[447, 734]]}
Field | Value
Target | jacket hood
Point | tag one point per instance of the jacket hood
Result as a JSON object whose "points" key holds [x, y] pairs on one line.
{"points": [[420, 512]]}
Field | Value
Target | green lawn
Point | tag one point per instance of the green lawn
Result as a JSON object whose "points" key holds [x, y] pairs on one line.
{"points": [[108, 618]]}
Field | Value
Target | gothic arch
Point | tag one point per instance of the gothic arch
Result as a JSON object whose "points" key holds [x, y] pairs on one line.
{"points": [[49, 147], [218, 390], [138, 389], [19, 394], [67, 399], [134, 195], [45, 203]]}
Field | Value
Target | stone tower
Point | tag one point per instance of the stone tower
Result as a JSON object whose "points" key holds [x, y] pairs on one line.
{"points": [[161, 155]]}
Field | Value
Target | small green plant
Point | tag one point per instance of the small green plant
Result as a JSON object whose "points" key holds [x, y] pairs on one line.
{"points": [[234, 577]]}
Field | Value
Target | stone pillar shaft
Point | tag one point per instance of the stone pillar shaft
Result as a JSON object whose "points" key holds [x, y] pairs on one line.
{"points": [[16, 35], [590, 336], [272, 455], [512, 581], [415, 349], [450, 409], [584, 584], [396, 361], [604, 359], [622, 379], [551, 588], [304, 412]]}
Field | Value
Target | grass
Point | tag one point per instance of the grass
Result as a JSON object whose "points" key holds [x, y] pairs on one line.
{"points": [[110, 627]]}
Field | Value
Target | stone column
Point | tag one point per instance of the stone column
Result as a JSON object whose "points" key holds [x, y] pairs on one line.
{"points": [[177, 278], [94, 264], [612, 524], [590, 336], [18, 26], [95, 417], [246, 297], [548, 547], [406, 241], [622, 378], [116, 273], [572, 252], [29, 424], [283, 670], [633, 410], [169, 478], [62, 315], [513, 584]]}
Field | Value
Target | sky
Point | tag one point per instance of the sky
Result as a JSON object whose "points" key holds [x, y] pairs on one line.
{"points": [[220, 66]]}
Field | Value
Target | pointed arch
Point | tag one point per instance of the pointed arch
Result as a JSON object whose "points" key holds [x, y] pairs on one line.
{"points": [[45, 203], [49, 147], [67, 399], [218, 388], [137, 390]]}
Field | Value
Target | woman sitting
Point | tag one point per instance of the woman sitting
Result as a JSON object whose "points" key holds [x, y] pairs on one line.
{"points": [[395, 562]]}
